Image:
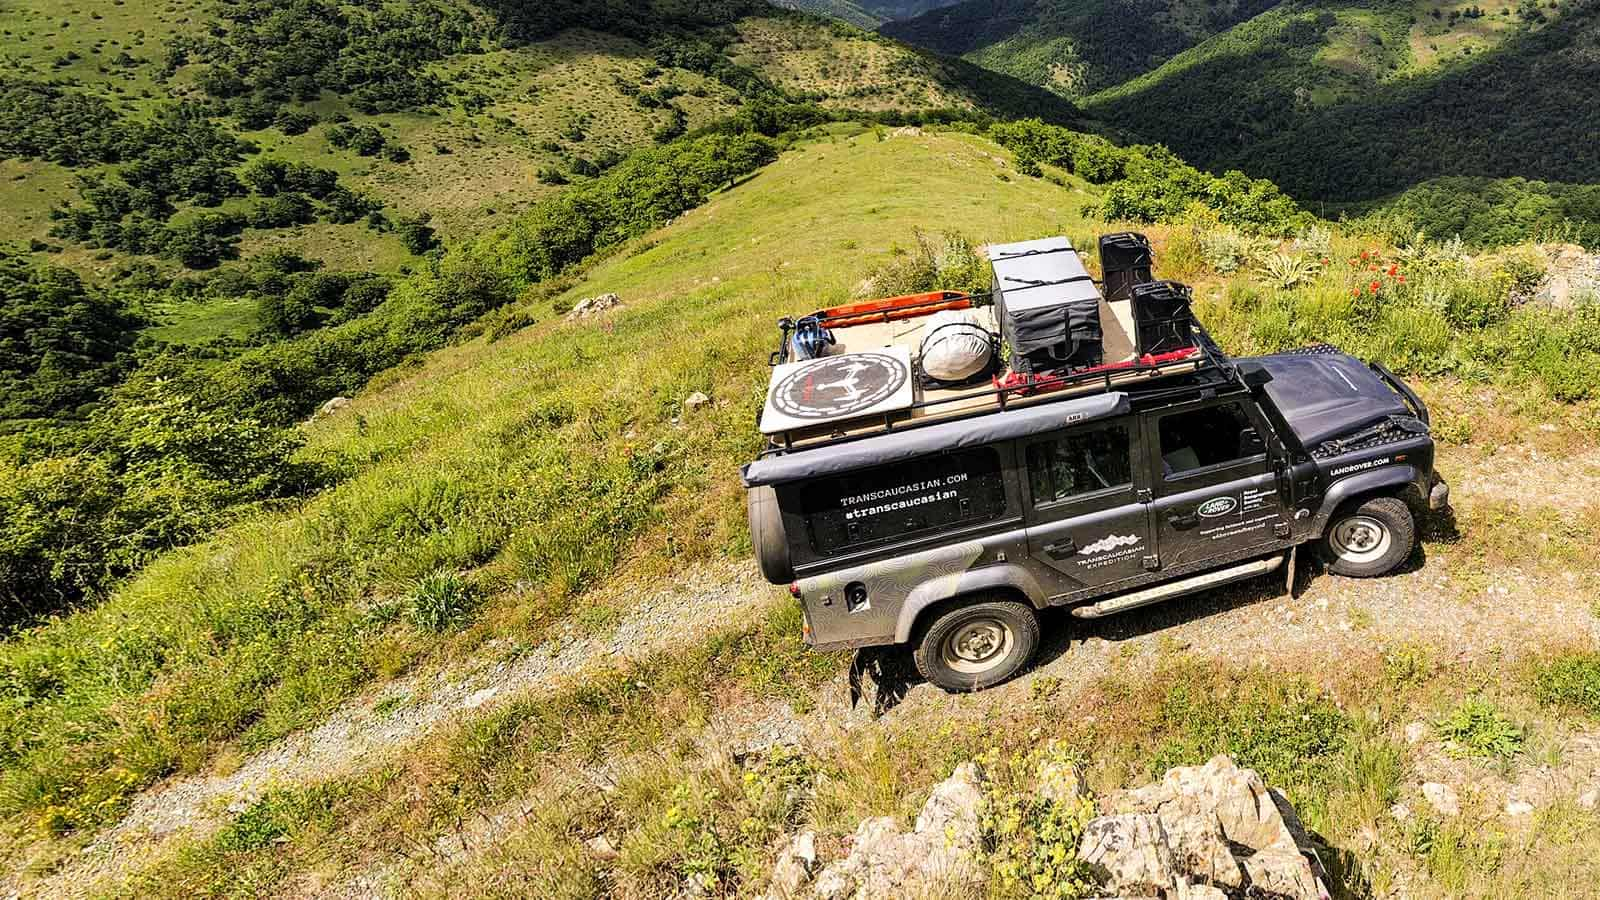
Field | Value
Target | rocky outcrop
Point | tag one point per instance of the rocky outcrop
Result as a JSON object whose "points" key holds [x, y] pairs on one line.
{"points": [[1215, 825], [593, 306], [1201, 833], [938, 854]]}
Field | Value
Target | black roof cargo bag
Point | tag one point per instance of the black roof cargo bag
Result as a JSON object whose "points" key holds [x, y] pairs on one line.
{"points": [[1162, 317], [1047, 305], [1125, 260]]}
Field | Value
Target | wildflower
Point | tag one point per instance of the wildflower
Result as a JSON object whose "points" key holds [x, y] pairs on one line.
{"points": [[1355, 292], [1372, 268], [1325, 261], [1353, 262], [1363, 256], [1374, 286], [1400, 278], [1394, 270]]}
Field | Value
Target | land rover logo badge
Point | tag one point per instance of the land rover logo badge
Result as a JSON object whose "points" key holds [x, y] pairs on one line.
{"points": [[1221, 506], [840, 386]]}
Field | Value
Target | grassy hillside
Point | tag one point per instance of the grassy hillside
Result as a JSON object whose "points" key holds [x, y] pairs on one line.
{"points": [[539, 475]]}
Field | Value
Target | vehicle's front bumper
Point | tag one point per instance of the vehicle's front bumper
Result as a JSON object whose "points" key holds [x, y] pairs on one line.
{"points": [[1438, 493]]}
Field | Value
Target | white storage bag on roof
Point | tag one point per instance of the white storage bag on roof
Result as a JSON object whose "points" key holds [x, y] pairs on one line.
{"points": [[954, 346]]}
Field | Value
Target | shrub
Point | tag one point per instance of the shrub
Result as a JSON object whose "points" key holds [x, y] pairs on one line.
{"points": [[1570, 680], [439, 600], [1476, 728]]}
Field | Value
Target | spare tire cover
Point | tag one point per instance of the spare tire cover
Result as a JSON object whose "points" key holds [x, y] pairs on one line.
{"points": [[954, 346]]}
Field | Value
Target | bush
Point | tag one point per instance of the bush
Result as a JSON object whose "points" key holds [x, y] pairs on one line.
{"points": [[1570, 680], [1476, 728], [439, 600]]}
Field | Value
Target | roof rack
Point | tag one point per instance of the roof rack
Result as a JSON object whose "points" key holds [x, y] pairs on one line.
{"points": [[1145, 378]]}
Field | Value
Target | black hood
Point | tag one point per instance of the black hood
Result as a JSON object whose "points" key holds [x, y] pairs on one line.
{"points": [[1327, 395]]}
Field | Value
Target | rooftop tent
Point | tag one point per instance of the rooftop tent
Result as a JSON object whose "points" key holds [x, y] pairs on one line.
{"points": [[1047, 305]]}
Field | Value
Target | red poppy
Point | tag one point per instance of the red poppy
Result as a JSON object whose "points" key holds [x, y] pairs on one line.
{"points": [[1394, 270], [1374, 287], [1353, 261], [1324, 260], [1363, 254], [1400, 278], [1355, 292], [1372, 268]]}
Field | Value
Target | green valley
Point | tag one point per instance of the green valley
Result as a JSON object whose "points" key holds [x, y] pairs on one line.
{"points": [[375, 379]]}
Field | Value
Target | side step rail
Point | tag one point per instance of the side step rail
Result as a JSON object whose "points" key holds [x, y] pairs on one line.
{"points": [[1161, 592]]}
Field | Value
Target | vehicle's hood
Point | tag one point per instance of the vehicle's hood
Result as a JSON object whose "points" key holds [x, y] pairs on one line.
{"points": [[1328, 395]]}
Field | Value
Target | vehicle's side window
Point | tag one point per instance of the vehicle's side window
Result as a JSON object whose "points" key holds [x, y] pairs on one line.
{"points": [[900, 501], [1207, 437], [1077, 464]]}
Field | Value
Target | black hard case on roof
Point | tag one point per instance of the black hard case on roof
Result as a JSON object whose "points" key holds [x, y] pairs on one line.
{"points": [[1162, 317], [1125, 260], [1047, 305]]}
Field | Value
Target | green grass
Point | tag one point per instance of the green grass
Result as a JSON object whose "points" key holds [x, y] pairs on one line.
{"points": [[204, 320], [544, 458]]}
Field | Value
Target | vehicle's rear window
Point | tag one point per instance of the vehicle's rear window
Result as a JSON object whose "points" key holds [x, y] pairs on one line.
{"points": [[902, 500]]}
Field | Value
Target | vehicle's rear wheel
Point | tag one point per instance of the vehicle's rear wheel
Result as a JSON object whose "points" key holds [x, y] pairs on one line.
{"points": [[978, 645], [1370, 538]]}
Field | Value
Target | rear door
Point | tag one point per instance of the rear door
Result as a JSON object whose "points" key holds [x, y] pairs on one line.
{"points": [[1216, 494], [1088, 527]]}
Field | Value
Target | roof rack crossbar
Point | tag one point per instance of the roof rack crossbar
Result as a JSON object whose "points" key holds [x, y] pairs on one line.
{"points": [[1203, 359]]}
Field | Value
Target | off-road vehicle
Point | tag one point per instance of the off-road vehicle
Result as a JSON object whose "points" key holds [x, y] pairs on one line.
{"points": [[942, 466]]}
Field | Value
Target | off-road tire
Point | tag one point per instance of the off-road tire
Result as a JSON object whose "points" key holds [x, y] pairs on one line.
{"points": [[1370, 538], [977, 645]]}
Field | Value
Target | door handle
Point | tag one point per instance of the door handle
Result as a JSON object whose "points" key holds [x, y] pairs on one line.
{"points": [[1061, 549], [1183, 521]]}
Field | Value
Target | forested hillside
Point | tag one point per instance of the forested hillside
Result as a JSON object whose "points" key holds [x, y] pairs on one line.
{"points": [[1333, 104], [1342, 104], [1073, 47]]}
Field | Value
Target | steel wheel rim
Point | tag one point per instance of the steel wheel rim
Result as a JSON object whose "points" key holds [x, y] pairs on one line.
{"points": [[977, 645], [1360, 539]]}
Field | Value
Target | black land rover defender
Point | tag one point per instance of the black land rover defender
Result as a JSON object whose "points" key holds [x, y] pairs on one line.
{"points": [[901, 509]]}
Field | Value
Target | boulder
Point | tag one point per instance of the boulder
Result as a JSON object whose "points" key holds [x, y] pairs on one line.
{"points": [[937, 856], [695, 401], [590, 306], [332, 406], [794, 867], [1442, 797], [1129, 853], [1223, 826], [1061, 782]]}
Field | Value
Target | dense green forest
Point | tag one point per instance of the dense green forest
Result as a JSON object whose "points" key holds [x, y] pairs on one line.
{"points": [[1341, 104], [1076, 47], [1256, 99]]}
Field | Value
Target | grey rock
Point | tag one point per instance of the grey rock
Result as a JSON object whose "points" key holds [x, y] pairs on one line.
{"points": [[600, 847], [1224, 826], [1129, 853], [695, 401], [794, 867], [1442, 797], [1061, 782], [332, 406], [938, 856]]}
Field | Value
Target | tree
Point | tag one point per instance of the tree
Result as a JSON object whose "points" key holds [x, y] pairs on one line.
{"points": [[60, 342], [416, 235]]}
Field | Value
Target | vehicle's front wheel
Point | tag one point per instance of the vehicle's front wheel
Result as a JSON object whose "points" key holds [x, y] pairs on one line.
{"points": [[979, 645], [1370, 538]]}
